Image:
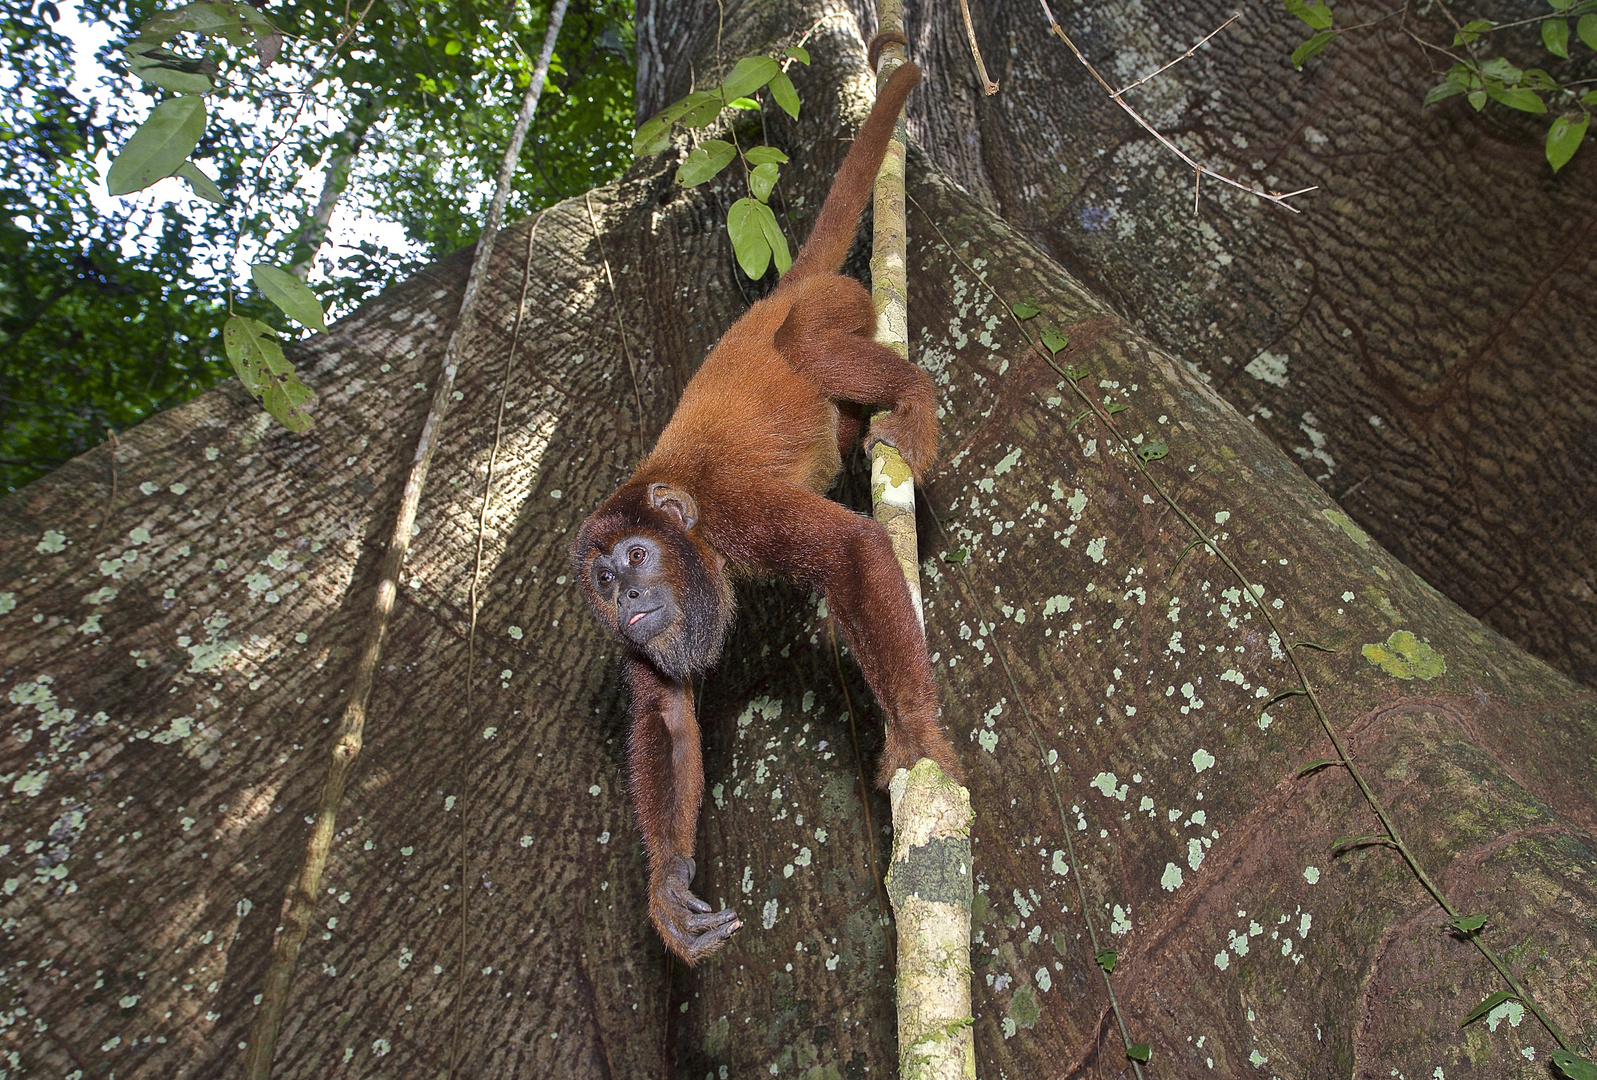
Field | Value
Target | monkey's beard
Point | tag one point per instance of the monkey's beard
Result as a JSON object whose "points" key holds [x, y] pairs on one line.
{"points": [[705, 606]]}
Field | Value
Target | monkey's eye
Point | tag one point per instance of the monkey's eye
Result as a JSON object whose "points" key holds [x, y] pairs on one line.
{"points": [[636, 556], [606, 577]]}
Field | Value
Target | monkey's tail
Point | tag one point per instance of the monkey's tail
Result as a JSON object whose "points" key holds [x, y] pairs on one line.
{"points": [[838, 221]]}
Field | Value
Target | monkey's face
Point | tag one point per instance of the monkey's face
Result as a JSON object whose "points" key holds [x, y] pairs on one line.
{"points": [[654, 587], [632, 585]]}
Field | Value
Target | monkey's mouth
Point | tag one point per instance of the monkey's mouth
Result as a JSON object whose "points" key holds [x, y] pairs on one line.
{"points": [[642, 626]]}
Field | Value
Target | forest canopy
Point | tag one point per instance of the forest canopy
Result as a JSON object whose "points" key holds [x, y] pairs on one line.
{"points": [[111, 308]]}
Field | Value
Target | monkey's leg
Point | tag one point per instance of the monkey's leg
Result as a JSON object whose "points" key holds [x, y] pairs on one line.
{"points": [[850, 560], [667, 775], [826, 337]]}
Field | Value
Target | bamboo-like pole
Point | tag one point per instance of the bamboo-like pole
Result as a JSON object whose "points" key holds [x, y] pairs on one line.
{"points": [[930, 881]]}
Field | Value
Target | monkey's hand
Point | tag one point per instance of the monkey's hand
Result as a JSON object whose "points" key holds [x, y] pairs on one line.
{"points": [[908, 742], [911, 429], [687, 924]]}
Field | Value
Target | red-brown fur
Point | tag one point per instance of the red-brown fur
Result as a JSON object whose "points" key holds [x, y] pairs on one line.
{"points": [[735, 485]]}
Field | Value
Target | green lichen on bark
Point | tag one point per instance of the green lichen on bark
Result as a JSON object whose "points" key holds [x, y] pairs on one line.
{"points": [[1406, 657]]}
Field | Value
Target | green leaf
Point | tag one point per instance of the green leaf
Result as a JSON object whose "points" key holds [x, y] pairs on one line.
{"points": [[1573, 1067], [766, 155], [1116, 407], [1467, 924], [1560, 5], [1026, 309], [1312, 47], [1477, 98], [1347, 843], [1316, 766], [1537, 79], [1472, 30], [256, 23], [1106, 959], [1078, 418], [172, 71], [749, 244], [711, 156], [655, 134], [237, 23], [1076, 372], [452, 47], [1442, 91], [1564, 138], [801, 55], [705, 111], [651, 138], [162, 26], [1517, 97], [199, 183], [1488, 1005], [291, 295], [1053, 340], [744, 103], [787, 97], [1152, 450], [751, 73], [265, 373], [1283, 695], [1140, 1052], [1555, 35], [1586, 29], [1318, 16], [774, 237], [162, 143], [198, 18], [956, 557], [763, 179], [694, 101], [1500, 69]]}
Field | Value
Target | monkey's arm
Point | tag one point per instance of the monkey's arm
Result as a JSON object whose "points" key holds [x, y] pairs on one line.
{"points": [[667, 775], [849, 558]]}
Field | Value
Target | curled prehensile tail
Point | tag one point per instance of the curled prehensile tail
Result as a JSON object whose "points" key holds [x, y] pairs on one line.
{"points": [[838, 221]]}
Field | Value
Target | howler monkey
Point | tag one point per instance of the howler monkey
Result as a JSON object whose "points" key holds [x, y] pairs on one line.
{"points": [[734, 489]]}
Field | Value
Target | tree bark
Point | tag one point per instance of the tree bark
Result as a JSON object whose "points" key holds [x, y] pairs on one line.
{"points": [[171, 675], [1419, 339]]}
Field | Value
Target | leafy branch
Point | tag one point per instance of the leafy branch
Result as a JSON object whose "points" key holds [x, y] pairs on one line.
{"points": [[757, 239], [1528, 90]]}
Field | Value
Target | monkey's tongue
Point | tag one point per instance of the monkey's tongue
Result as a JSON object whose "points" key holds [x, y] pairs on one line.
{"points": [[636, 617]]}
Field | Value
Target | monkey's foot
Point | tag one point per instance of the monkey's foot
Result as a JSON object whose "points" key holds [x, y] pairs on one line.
{"points": [[689, 926]]}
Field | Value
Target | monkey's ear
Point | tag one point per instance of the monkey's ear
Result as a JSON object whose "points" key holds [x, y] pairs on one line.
{"points": [[675, 503]]}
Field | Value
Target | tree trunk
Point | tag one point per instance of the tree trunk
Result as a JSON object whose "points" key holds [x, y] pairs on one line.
{"points": [[174, 654], [1419, 339]]}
